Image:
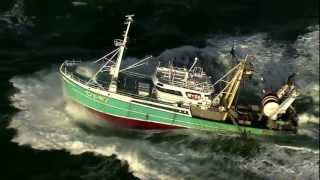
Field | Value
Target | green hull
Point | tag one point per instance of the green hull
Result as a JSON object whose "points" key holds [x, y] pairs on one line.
{"points": [[111, 104]]}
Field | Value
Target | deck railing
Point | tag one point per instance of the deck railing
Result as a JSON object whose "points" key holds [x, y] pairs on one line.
{"points": [[204, 86], [97, 84]]}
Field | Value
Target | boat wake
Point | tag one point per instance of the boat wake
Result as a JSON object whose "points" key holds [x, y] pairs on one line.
{"points": [[47, 122]]}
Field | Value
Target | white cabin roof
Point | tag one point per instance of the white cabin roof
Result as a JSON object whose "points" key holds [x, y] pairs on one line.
{"points": [[196, 80]]}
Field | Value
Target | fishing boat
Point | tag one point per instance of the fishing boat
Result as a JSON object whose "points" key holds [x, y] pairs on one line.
{"points": [[175, 97]]}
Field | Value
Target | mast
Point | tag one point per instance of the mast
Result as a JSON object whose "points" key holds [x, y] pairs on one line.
{"points": [[233, 86], [122, 44]]}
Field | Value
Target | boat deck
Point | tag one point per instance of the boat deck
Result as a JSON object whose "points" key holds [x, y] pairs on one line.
{"points": [[127, 85]]}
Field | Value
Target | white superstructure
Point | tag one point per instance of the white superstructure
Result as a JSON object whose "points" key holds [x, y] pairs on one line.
{"points": [[183, 86]]}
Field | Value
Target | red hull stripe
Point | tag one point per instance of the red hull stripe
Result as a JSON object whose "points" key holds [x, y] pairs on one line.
{"points": [[131, 123]]}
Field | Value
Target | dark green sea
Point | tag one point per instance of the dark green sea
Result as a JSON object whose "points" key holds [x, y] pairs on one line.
{"points": [[41, 140]]}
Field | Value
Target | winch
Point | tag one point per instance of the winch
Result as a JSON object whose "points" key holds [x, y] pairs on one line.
{"points": [[276, 104]]}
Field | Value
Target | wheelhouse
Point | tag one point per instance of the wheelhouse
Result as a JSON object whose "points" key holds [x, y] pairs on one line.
{"points": [[182, 86]]}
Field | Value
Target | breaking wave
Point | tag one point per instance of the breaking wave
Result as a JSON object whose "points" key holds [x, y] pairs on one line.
{"points": [[43, 122], [15, 18]]}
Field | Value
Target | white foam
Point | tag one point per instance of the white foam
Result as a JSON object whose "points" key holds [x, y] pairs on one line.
{"points": [[79, 3], [286, 162]]}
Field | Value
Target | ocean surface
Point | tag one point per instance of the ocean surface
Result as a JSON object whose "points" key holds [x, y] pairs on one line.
{"points": [[44, 137]]}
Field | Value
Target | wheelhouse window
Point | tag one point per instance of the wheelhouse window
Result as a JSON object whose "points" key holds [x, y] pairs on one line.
{"points": [[193, 96], [169, 91]]}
